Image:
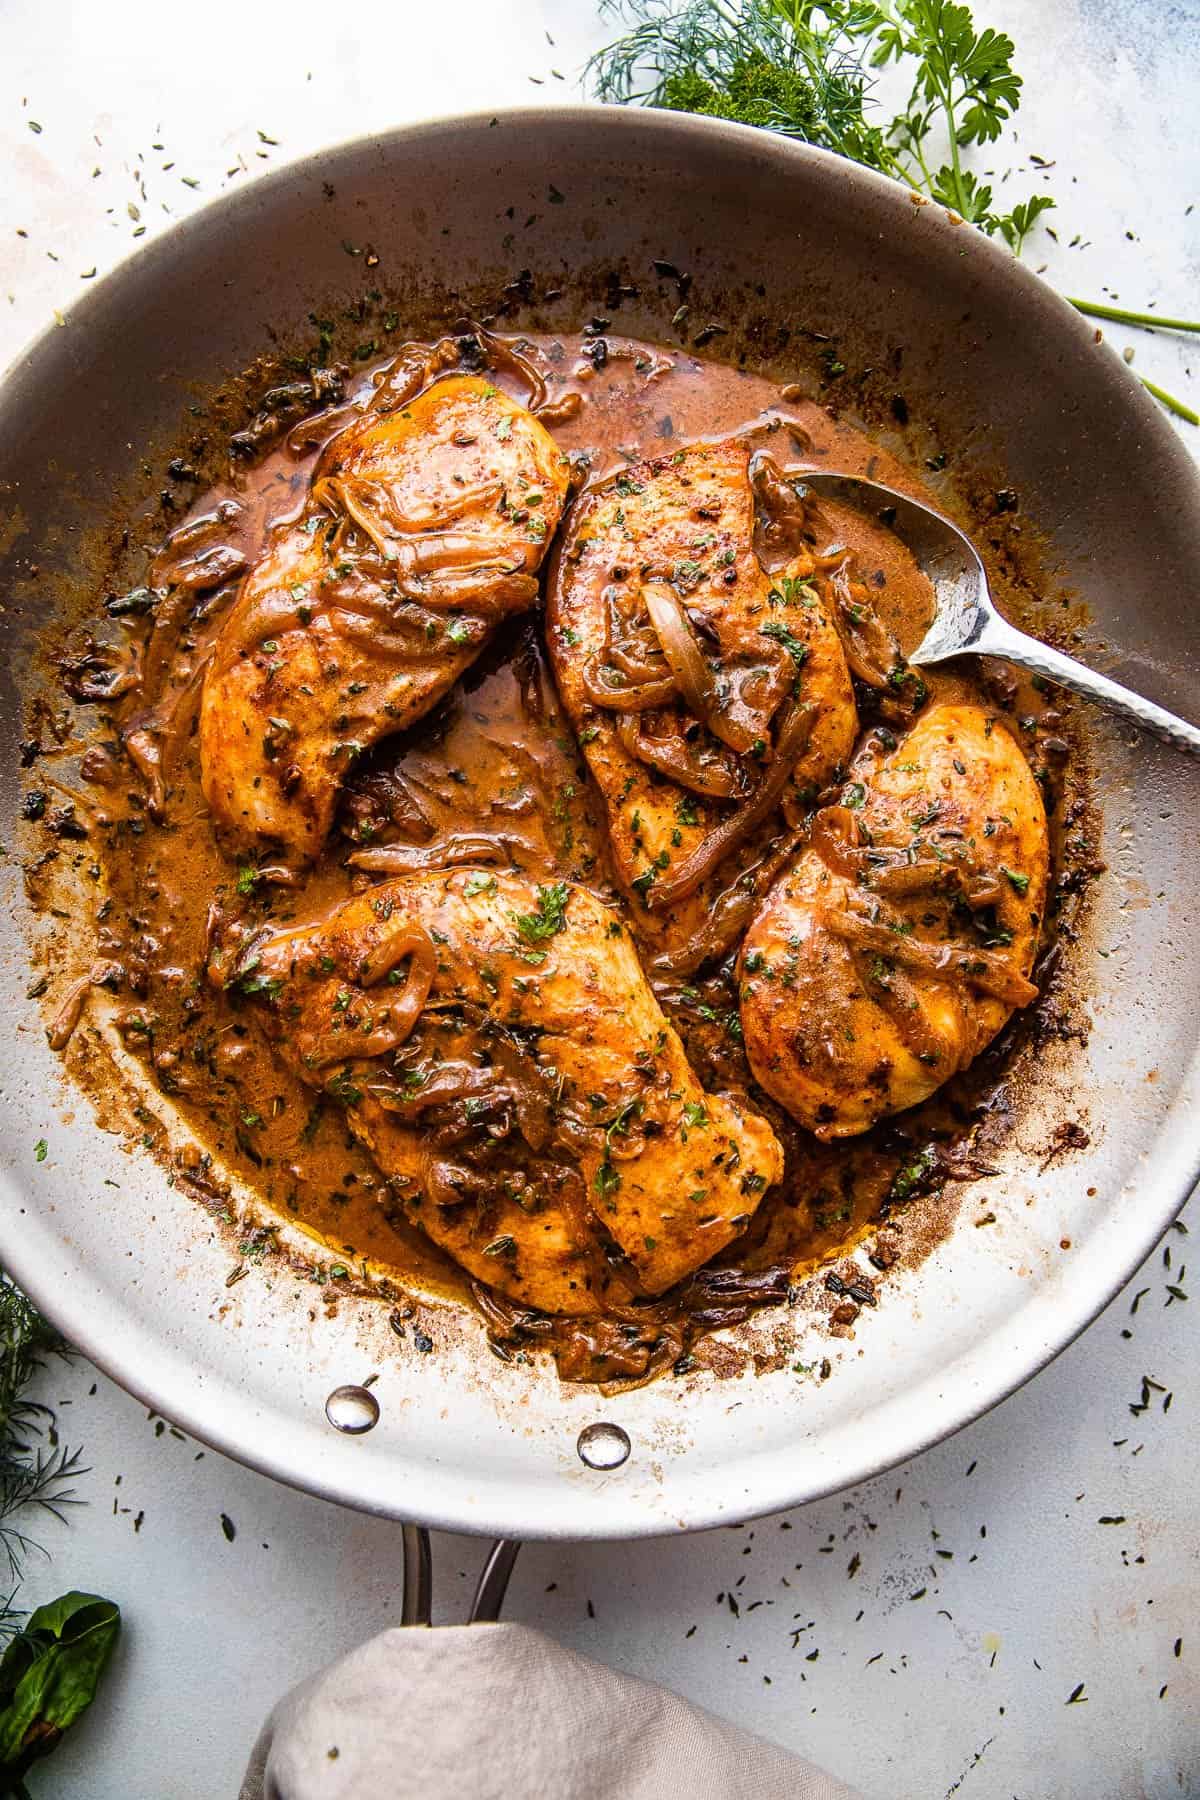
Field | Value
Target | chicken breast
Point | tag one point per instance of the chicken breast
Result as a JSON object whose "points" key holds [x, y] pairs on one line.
{"points": [[902, 939], [498, 1050], [425, 526], [706, 693]]}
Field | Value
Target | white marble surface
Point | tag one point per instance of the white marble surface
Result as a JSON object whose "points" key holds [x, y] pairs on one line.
{"points": [[943, 1614]]}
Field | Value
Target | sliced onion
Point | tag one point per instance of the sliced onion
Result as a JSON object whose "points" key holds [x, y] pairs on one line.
{"points": [[713, 777], [460, 847], [731, 912], [656, 691], [557, 412], [58, 1033], [794, 733], [956, 964], [680, 648], [272, 615], [901, 1002], [449, 1081], [696, 681], [397, 1018], [344, 491], [528, 1088], [886, 869], [489, 589], [386, 646], [401, 939], [788, 513], [836, 837], [870, 649], [635, 669], [503, 353]]}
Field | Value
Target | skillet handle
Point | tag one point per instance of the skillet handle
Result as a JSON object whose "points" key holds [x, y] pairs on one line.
{"points": [[417, 1606], [999, 638], [493, 1583]]}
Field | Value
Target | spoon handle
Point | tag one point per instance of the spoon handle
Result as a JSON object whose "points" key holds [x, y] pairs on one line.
{"points": [[1002, 639]]}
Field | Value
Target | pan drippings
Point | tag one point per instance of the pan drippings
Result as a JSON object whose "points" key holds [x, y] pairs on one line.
{"points": [[501, 752]]}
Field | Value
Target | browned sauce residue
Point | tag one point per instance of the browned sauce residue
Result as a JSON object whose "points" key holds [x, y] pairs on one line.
{"points": [[496, 756]]}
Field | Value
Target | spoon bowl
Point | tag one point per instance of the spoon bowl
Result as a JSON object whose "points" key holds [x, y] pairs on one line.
{"points": [[966, 621]]}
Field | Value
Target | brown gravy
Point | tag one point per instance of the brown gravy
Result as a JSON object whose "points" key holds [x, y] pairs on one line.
{"points": [[498, 756]]}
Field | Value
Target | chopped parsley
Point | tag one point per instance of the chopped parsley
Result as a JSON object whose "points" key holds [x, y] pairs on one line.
{"points": [[550, 917], [775, 628]]}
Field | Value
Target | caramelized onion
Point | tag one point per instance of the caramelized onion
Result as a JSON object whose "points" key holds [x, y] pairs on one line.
{"points": [[400, 940], [696, 681], [460, 847], [388, 646], [713, 776], [557, 412], [343, 494], [680, 648], [269, 615], [448, 1081], [416, 366], [503, 352], [528, 1087], [728, 917], [870, 649], [58, 1032], [899, 999], [836, 834], [794, 733], [890, 870], [788, 522], [953, 963], [655, 690], [152, 740]]}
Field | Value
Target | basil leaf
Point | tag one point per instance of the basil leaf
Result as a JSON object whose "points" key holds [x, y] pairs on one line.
{"points": [[49, 1674]]}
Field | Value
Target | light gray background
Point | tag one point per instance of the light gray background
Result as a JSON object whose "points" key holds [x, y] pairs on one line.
{"points": [[962, 1690]]}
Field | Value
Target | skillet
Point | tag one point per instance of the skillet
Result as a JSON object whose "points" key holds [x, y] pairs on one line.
{"points": [[1001, 379]]}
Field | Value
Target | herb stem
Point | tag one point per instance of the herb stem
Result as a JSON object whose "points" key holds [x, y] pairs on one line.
{"points": [[1178, 407], [1095, 310]]}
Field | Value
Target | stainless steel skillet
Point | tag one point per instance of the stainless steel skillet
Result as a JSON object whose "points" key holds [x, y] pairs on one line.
{"points": [[783, 246]]}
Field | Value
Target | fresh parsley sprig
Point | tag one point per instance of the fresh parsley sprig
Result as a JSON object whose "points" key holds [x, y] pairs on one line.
{"points": [[805, 68], [51, 1663]]}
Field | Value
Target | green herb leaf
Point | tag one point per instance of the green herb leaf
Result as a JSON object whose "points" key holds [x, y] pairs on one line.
{"points": [[775, 628], [49, 1675], [550, 917]]}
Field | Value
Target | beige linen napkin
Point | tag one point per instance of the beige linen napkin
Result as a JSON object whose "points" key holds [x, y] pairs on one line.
{"points": [[500, 1712]]}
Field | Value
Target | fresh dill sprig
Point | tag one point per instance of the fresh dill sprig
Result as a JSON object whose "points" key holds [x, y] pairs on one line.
{"points": [[805, 68], [37, 1473]]}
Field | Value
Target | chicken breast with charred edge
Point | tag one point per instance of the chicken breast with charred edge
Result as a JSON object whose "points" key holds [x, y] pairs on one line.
{"points": [[498, 1050], [425, 525], [900, 942], [707, 694]]}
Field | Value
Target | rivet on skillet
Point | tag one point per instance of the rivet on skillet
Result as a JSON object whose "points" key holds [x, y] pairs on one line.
{"points": [[352, 1409], [603, 1446]]}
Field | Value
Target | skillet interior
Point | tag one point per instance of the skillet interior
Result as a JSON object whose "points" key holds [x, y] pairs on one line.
{"points": [[1001, 377]]}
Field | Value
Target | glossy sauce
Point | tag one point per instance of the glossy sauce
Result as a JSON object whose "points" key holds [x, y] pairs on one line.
{"points": [[496, 756]]}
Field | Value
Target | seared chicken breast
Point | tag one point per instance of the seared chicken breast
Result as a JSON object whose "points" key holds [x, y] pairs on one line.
{"points": [[902, 939], [707, 694], [425, 525], [497, 1048]]}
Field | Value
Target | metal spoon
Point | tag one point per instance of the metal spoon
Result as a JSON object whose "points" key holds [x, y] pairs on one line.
{"points": [[967, 623]]}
